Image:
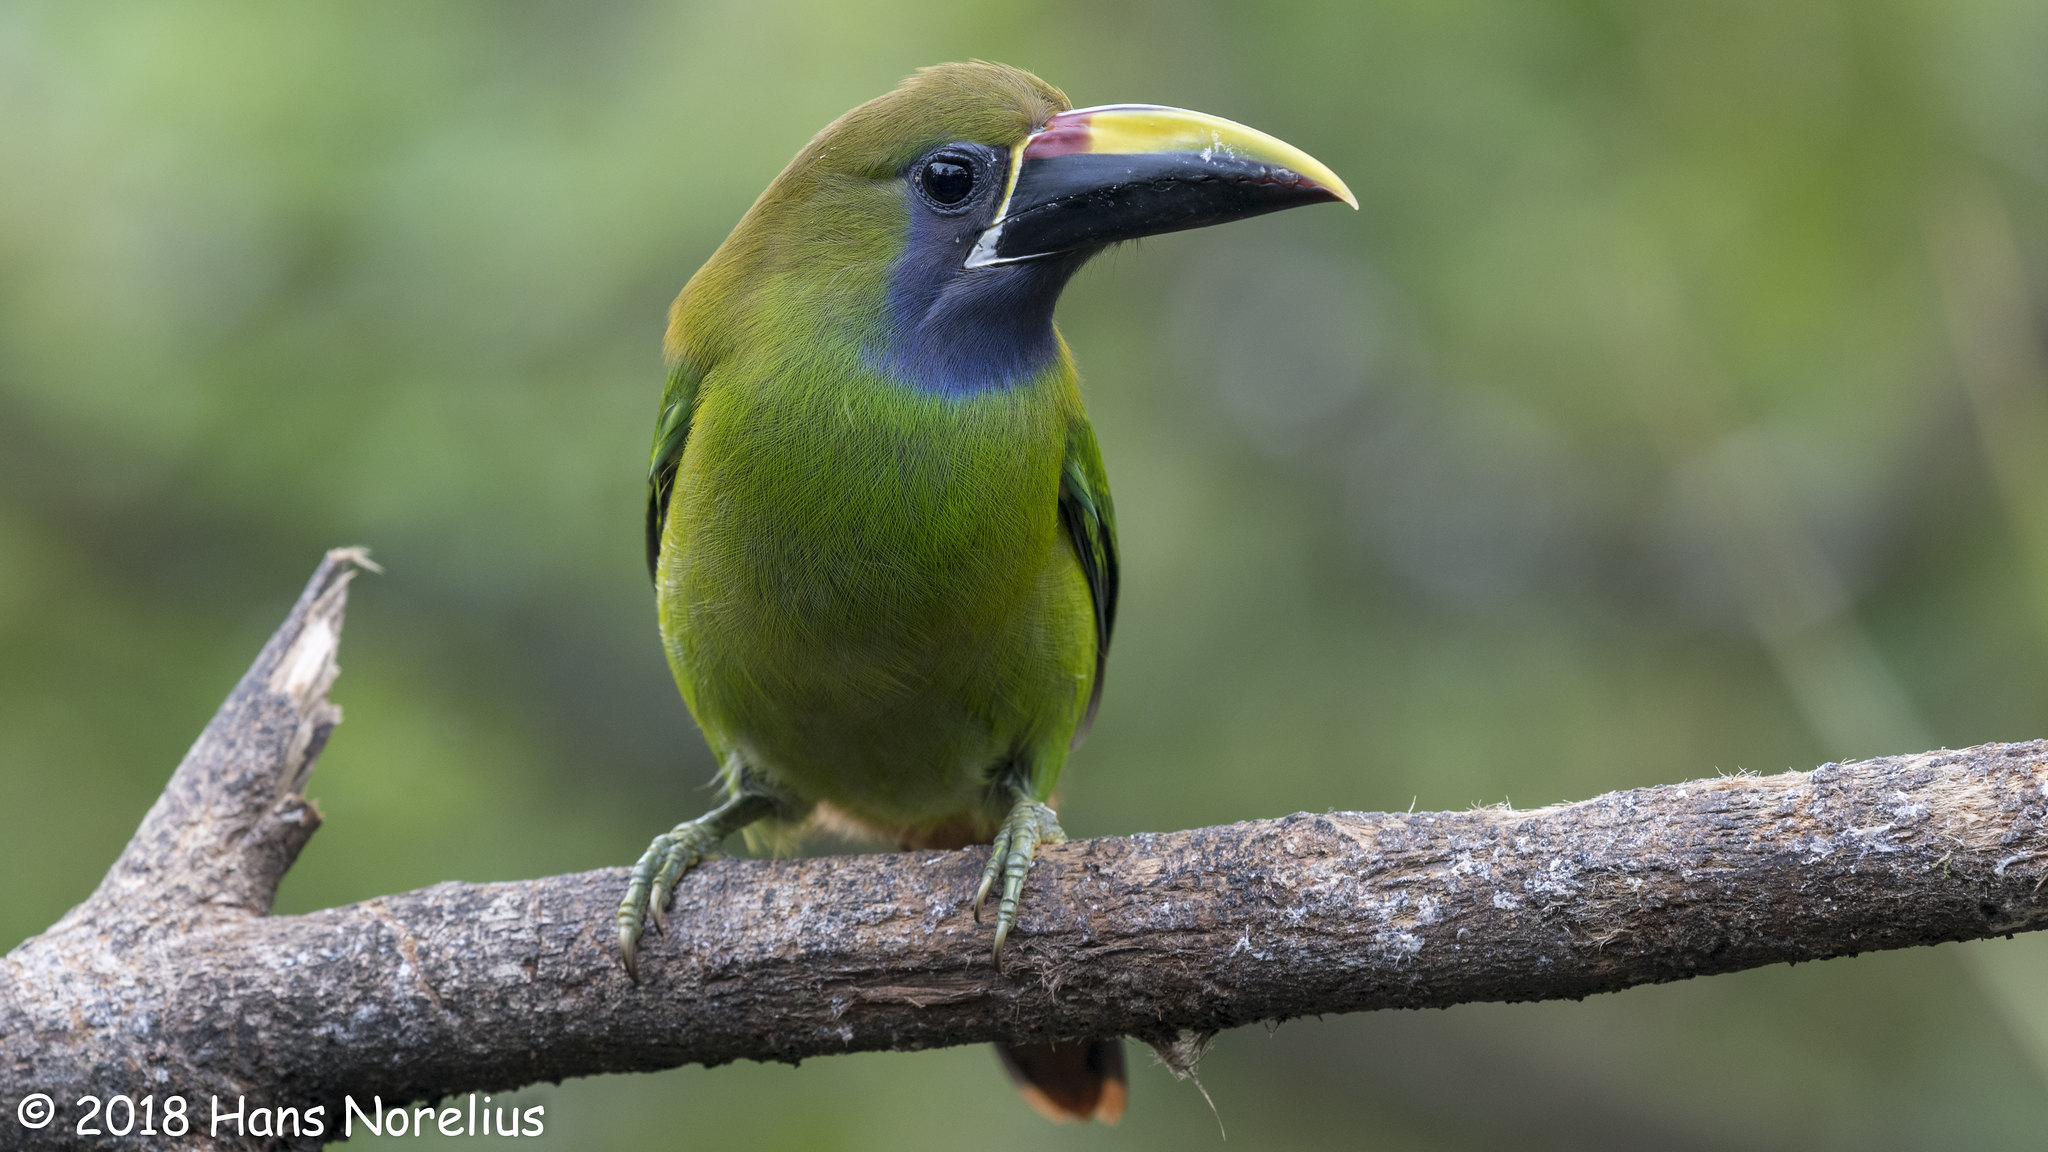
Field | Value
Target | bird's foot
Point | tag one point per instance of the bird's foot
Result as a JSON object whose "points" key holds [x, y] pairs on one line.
{"points": [[654, 881], [1028, 825], [673, 853]]}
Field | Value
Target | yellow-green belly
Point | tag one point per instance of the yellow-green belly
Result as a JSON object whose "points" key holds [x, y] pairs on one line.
{"points": [[868, 598]]}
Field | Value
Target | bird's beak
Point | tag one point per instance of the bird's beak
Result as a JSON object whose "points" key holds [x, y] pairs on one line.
{"points": [[1093, 176]]}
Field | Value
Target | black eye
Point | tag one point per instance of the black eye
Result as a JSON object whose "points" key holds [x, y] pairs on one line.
{"points": [[947, 180]]}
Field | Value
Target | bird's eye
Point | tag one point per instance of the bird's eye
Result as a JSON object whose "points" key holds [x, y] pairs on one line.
{"points": [[947, 180]]}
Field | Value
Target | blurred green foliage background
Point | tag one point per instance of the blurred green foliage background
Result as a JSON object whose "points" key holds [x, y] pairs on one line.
{"points": [[1675, 404]]}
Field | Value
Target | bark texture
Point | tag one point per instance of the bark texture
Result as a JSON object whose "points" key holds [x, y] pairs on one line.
{"points": [[174, 978]]}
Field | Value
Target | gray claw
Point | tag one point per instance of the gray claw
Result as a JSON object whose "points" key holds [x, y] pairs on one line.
{"points": [[1028, 825], [673, 853]]}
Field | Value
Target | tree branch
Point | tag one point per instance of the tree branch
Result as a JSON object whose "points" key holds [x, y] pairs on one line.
{"points": [[173, 978]]}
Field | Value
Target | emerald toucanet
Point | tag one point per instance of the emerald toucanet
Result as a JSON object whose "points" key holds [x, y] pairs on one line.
{"points": [[878, 523]]}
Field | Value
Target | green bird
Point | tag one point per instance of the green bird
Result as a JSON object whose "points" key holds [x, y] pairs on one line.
{"points": [[878, 524]]}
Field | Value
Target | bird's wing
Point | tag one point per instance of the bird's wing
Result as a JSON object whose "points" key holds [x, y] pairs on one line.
{"points": [[1090, 519], [670, 432]]}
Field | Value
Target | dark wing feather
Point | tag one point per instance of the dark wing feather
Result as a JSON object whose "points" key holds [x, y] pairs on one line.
{"points": [[670, 433], [1090, 520]]}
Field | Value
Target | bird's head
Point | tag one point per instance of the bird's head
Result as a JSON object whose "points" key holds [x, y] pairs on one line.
{"points": [[930, 230]]}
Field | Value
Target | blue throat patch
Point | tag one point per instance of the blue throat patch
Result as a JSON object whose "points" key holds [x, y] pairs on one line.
{"points": [[957, 332]]}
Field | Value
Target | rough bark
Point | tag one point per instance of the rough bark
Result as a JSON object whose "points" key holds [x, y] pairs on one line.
{"points": [[173, 978]]}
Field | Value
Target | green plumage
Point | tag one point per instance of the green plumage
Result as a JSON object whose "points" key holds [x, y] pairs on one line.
{"points": [[874, 596]]}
